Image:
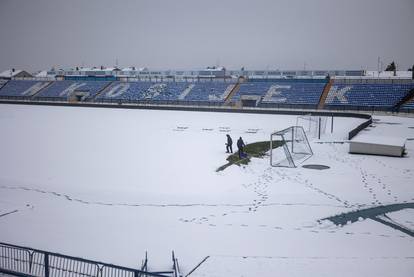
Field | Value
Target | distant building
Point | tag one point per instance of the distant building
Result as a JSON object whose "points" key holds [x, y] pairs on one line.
{"points": [[213, 72], [43, 74], [13, 73]]}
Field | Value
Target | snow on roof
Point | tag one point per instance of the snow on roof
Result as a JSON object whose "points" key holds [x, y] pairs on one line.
{"points": [[220, 68], [10, 73], [42, 73], [388, 74], [131, 68], [83, 69]]}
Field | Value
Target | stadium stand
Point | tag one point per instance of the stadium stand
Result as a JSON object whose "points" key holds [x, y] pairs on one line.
{"points": [[132, 91], [167, 91], [363, 94], [366, 95], [279, 93], [123, 91], [22, 88], [256, 88], [209, 91], [63, 89]]}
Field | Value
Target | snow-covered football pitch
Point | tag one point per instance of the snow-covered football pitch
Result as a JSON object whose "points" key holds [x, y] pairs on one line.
{"points": [[110, 184]]}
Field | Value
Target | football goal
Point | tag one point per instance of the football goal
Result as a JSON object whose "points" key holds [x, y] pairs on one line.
{"points": [[314, 126], [295, 147]]}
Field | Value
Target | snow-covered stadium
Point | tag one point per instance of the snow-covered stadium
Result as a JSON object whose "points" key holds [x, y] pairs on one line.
{"points": [[120, 170], [214, 138]]}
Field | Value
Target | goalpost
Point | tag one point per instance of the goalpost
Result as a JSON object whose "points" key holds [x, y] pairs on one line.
{"points": [[314, 126], [294, 149]]}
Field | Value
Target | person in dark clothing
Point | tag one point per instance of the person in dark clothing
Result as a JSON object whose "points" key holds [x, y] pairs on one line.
{"points": [[240, 146], [229, 144]]}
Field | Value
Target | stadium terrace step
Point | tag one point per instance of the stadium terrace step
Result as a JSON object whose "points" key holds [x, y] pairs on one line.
{"points": [[232, 92], [100, 91], [324, 94], [406, 102], [186, 92], [41, 89], [2, 83]]}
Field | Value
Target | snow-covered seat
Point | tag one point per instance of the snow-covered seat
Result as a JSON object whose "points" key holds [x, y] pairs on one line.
{"points": [[63, 89], [210, 91], [283, 92], [367, 95], [22, 88], [143, 90]]}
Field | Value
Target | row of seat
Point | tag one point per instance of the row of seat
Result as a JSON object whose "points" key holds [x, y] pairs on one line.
{"points": [[367, 95], [269, 93], [142, 91], [205, 91], [63, 89], [129, 91], [283, 92], [22, 88]]}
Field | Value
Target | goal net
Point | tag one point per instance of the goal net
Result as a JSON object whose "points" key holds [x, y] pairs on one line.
{"points": [[294, 147], [314, 126]]}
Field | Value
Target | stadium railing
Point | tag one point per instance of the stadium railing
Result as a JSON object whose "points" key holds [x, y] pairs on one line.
{"points": [[29, 262], [159, 102], [286, 106]]}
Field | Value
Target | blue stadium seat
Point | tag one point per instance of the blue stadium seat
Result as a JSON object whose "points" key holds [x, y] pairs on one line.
{"points": [[209, 91], [283, 92], [22, 88], [63, 89], [165, 91], [142, 90], [272, 93], [366, 95]]}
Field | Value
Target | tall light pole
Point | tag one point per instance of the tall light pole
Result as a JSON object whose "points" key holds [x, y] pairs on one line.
{"points": [[378, 65]]}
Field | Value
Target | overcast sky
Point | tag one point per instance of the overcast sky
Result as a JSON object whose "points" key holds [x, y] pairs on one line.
{"points": [[192, 34]]}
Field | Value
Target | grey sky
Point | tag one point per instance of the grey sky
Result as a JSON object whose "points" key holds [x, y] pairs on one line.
{"points": [[191, 34]]}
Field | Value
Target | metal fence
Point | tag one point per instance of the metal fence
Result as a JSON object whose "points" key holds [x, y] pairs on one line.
{"points": [[359, 128], [157, 102], [29, 262]]}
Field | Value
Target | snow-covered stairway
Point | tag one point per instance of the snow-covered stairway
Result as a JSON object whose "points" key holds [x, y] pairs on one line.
{"points": [[324, 94], [186, 92], [102, 90], [232, 92], [37, 89], [406, 99]]}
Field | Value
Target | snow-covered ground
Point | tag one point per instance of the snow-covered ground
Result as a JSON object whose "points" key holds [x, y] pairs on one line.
{"points": [[110, 184]]}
